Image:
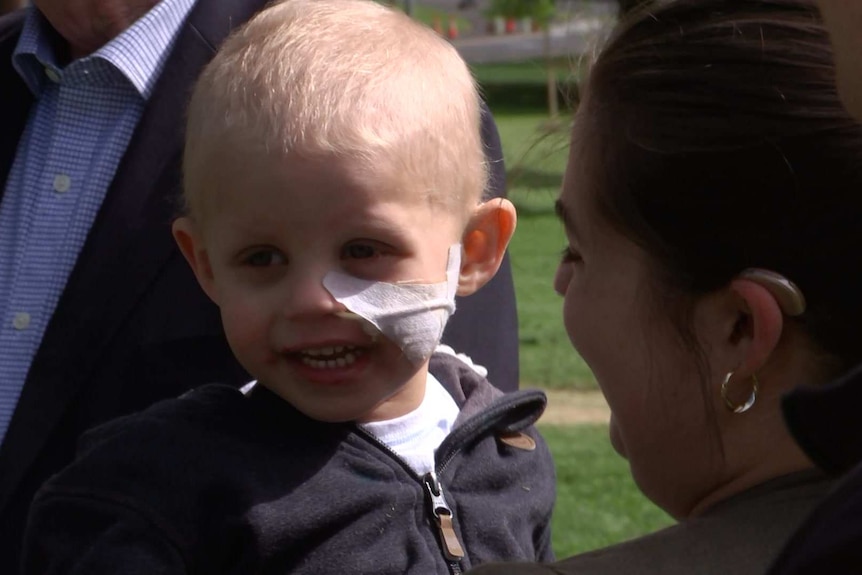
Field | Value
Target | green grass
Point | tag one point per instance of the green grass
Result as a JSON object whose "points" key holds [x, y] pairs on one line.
{"points": [[535, 161], [526, 72], [598, 503], [546, 356], [519, 87]]}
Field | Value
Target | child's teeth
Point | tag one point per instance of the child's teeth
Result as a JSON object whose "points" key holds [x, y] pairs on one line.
{"points": [[334, 350], [312, 357]]}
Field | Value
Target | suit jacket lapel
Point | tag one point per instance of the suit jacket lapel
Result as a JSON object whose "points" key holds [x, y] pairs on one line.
{"points": [[15, 98], [114, 270]]}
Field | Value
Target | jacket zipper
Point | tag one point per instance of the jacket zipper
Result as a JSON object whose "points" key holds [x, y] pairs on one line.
{"points": [[453, 552]]}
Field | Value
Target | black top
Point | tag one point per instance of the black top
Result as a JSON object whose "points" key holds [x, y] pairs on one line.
{"points": [[827, 424], [740, 535], [220, 482]]}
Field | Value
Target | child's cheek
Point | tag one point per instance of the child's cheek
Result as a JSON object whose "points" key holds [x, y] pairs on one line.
{"points": [[247, 328]]}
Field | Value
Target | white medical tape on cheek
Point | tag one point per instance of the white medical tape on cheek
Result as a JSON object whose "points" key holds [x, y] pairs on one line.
{"points": [[411, 315]]}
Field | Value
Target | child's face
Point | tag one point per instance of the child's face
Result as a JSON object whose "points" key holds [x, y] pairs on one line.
{"points": [[270, 232]]}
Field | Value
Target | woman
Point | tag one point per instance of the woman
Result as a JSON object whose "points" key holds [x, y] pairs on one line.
{"points": [[713, 208]]}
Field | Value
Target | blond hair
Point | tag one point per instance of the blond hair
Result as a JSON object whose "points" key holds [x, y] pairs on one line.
{"points": [[342, 77]]}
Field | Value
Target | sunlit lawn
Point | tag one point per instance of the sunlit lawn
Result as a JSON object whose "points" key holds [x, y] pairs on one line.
{"points": [[535, 160], [597, 502]]}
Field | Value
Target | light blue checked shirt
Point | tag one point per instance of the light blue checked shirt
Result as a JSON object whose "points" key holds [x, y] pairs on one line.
{"points": [[76, 134]]}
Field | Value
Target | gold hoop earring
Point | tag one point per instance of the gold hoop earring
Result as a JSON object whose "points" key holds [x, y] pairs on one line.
{"points": [[735, 407]]}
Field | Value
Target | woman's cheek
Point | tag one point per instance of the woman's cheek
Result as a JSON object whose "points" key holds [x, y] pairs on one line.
{"points": [[579, 318], [616, 437], [570, 319]]}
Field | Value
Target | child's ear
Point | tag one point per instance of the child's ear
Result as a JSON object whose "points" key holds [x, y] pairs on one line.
{"points": [[484, 243], [191, 246]]}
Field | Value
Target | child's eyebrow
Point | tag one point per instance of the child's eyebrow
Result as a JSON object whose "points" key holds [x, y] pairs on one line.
{"points": [[564, 217]]}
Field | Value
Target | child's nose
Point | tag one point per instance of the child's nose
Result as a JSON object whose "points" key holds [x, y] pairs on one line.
{"points": [[308, 296]]}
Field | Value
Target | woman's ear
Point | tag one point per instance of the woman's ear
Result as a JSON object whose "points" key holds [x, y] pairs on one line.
{"points": [[759, 325], [484, 243], [192, 247]]}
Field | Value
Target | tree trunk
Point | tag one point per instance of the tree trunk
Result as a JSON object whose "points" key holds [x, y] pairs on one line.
{"points": [[553, 104]]}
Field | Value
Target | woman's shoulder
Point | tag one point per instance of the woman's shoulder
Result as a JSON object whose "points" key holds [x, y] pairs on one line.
{"points": [[679, 549], [741, 535]]}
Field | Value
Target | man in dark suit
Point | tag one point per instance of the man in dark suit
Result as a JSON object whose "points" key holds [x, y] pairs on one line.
{"points": [[100, 314]]}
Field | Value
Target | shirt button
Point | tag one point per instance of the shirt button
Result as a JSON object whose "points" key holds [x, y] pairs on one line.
{"points": [[21, 321], [52, 75], [62, 183]]}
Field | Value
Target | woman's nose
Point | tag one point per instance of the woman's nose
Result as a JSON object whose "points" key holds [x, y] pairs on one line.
{"points": [[561, 278]]}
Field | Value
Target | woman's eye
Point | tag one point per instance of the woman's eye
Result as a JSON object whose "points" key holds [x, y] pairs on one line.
{"points": [[568, 255], [359, 251], [264, 258]]}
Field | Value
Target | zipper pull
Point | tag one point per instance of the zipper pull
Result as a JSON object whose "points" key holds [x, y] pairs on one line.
{"points": [[443, 517]]}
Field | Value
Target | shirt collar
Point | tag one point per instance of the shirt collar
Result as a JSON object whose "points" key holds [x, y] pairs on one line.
{"points": [[35, 50], [139, 53]]}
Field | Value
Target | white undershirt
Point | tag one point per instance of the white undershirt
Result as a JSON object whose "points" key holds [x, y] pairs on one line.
{"points": [[417, 435]]}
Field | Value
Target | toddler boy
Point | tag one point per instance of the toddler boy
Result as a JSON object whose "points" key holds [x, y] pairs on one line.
{"points": [[334, 170]]}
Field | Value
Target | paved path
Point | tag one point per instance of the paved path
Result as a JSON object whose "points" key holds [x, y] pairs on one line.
{"points": [[575, 407], [566, 39], [580, 26]]}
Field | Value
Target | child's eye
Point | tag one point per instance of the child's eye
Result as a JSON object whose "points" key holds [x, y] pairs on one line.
{"points": [[569, 255], [360, 251], [264, 258]]}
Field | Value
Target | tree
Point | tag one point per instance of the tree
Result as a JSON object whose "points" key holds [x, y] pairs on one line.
{"points": [[504, 8], [542, 12]]}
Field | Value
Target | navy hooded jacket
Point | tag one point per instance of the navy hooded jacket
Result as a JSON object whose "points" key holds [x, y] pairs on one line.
{"points": [[218, 482]]}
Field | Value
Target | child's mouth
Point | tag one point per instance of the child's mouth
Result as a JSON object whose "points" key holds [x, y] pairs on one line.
{"points": [[329, 357]]}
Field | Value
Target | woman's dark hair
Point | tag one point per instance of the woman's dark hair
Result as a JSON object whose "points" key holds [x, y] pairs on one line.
{"points": [[719, 143]]}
